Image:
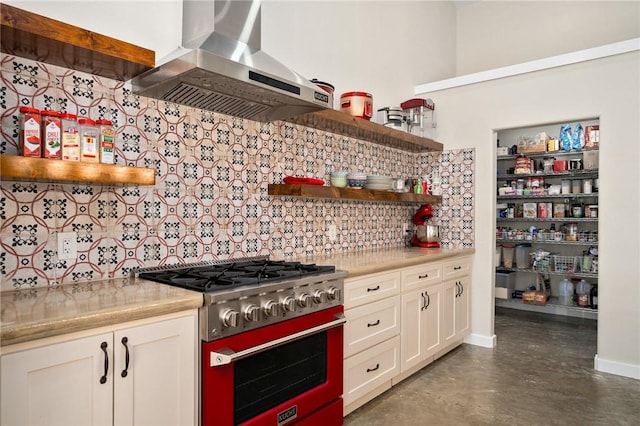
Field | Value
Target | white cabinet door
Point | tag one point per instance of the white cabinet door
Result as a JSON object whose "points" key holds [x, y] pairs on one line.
{"points": [[449, 300], [463, 307], [420, 335], [158, 386], [59, 384]]}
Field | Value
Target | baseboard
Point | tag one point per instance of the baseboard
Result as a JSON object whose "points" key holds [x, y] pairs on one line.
{"points": [[617, 368], [481, 340]]}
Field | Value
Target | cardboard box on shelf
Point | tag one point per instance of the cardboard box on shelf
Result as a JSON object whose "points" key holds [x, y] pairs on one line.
{"points": [[590, 160]]}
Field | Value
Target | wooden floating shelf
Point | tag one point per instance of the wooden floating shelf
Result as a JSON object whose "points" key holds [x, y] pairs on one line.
{"points": [[318, 191], [346, 125], [15, 167], [42, 39]]}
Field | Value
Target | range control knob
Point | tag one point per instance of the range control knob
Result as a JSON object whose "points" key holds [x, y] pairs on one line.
{"points": [[334, 293], [270, 308], [289, 304], [304, 300], [252, 313], [319, 296], [230, 318]]}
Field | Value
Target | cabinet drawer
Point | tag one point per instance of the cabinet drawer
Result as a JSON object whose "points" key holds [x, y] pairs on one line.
{"points": [[419, 276], [370, 288], [370, 324], [458, 267], [369, 369]]}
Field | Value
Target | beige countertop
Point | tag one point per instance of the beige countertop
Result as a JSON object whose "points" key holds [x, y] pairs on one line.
{"points": [[36, 313], [371, 261]]}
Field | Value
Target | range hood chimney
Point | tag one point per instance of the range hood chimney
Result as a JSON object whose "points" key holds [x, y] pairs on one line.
{"points": [[221, 67]]}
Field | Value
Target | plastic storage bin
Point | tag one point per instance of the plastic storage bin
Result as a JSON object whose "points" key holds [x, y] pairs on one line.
{"points": [[523, 256], [507, 256]]}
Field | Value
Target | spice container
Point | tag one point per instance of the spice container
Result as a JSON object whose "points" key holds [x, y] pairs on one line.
{"points": [[51, 134], [70, 138], [88, 141], [30, 145], [106, 141]]}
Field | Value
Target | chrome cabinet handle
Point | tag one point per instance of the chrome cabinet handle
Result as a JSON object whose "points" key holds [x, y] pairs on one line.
{"points": [[373, 324], [376, 288], [369, 370], [226, 356], [428, 300], [103, 379], [126, 357], [424, 302]]}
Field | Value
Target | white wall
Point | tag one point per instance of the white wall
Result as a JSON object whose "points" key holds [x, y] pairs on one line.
{"points": [[493, 34], [381, 47], [608, 88]]}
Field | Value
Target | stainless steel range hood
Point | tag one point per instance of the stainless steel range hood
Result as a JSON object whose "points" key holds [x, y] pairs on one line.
{"points": [[221, 68]]}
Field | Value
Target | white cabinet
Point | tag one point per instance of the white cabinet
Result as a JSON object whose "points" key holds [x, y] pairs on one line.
{"points": [[435, 311], [400, 321], [371, 337], [421, 329], [88, 379]]}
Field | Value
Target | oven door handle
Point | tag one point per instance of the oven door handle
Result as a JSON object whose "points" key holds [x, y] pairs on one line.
{"points": [[226, 356]]}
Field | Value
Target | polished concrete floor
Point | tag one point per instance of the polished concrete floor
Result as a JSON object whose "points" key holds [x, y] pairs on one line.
{"points": [[540, 373]]}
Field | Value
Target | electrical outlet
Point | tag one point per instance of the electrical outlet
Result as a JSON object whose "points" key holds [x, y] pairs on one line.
{"points": [[67, 246], [405, 228], [332, 234]]}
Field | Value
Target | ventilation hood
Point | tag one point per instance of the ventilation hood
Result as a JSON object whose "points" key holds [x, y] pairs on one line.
{"points": [[221, 67]]}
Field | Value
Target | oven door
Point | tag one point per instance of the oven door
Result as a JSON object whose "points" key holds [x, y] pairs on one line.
{"points": [[285, 373]]}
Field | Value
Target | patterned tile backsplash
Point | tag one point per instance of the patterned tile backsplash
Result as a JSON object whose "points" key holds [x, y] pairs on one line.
{"points": [[210, 200]]}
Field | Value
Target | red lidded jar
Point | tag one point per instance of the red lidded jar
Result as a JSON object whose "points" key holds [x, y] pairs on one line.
{"points": [[51, 134]]}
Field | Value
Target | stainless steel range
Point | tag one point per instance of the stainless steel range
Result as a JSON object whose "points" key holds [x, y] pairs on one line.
{"points": [[272, 338]]}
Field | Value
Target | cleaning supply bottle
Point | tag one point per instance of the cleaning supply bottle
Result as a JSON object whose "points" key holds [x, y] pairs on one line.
{"points": [[566, 292], [583, 289]]}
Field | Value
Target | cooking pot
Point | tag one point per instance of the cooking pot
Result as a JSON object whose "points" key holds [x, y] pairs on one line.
{"points": [[358, 104], [324, 86], [428, 233]]}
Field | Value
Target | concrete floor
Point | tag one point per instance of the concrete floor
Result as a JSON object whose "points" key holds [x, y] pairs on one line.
{"points": [[540, 373]]}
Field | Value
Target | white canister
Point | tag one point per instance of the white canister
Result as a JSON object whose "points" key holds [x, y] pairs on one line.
{"points": [[587, 186], [566, 186]]}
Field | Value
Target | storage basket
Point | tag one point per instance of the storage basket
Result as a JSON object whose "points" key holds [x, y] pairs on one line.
{"points": [[541, 264], [565, 263]]}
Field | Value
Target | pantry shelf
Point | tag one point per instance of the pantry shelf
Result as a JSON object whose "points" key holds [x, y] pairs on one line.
{"points": [[45, 170], [548, 219], [549, 242], [552, 307], [546, 154], [573, 174], [346, 125], [564, 274], [521, 197], [318, 191]]}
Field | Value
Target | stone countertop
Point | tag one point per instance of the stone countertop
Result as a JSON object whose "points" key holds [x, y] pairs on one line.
{"points": [[35, 313], [372, 261]]}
